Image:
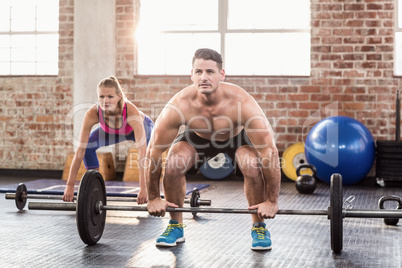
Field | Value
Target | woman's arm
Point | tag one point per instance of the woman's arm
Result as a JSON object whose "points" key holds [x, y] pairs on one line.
{"points": [[90, 119], [136, 120]]}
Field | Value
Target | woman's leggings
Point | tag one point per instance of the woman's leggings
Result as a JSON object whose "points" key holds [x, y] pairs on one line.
{"points": [[99, 138]]}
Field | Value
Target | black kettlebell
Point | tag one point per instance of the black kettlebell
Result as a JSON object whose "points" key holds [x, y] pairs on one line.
{"points": [[306, 183], [398, 200]]}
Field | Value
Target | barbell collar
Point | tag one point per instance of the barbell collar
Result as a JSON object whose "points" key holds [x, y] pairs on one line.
{"points": [[201, 202], [52, 206]]}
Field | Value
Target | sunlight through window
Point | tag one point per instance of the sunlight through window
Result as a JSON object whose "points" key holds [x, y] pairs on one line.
{"points": [[255, 37]]}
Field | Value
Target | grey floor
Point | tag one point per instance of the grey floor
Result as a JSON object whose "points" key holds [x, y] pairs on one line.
{"points": [[50, 238]]}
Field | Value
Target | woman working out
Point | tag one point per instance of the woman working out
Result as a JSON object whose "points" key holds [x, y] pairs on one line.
{"points": [[119, 120]]}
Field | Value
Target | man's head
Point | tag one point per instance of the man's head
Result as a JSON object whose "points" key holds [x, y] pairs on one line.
{"points": [[207, 72], [208, 54]]}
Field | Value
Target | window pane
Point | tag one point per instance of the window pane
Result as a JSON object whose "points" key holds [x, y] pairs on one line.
{"points": [[47, 23], [296, 54], [267, 54], [4, 15], [4, 54], [269, 14], [175, 56], [50, 41], [49, 68], [23, 15], [22, 68], [5, 68], [23, 40], [45, 20], [23, 47], [180, 49], [398, 53], [5, 41], [239, 60], [23, 54], [151, 53], [46, 54], [180, 14]]}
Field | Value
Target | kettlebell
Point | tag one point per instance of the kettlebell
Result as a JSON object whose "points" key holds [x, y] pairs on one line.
{"points": [[398, 200], [306, 183]]}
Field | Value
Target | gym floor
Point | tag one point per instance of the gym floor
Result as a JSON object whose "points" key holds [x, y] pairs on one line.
{"points": [[50, 238]]}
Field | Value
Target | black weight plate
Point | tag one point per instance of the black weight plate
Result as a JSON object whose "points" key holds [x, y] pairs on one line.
{"points": [[336, 215], [397, 167], [391, 178], [388, 156], [391, 143], [388, 173], [195, 196], [91, 224], [392, 150], [384, 161], [19, 192]]}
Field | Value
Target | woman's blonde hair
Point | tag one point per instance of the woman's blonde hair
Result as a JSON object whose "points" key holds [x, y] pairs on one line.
{"points": [[113, 82]]}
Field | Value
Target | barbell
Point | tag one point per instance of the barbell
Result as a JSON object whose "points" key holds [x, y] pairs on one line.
{"points": [[92, 207], [21, 195]]}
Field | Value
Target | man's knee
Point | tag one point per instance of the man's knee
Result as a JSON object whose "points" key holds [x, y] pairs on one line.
{"points": [[181, 158], [249, 161]]}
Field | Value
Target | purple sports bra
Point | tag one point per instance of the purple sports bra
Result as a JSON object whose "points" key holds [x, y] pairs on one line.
{"points": [[125, 128]]}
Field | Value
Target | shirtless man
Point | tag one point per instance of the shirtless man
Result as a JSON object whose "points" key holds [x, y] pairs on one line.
{"points": [[219, 117]]}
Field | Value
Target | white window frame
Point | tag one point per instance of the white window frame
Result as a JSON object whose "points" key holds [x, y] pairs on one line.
{"points": [[223, 31], [35, 35]]}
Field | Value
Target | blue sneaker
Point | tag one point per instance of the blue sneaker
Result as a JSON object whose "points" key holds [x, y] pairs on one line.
{"points": [[173, 234], [261, 237]]}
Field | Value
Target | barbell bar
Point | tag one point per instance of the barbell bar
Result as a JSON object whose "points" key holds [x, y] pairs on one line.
{"points": [[99, 207], [204, 202], [21, 195], [92, 207], [71, 206]]}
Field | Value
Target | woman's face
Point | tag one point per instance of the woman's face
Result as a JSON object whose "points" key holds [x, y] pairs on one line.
{"points": [[108, 98]]}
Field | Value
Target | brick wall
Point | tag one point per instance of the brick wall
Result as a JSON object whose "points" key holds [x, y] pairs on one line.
{"points": [[352, 74], [33, 109]]}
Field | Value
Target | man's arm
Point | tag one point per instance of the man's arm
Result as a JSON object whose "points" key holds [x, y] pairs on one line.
{"points": [[260, 133], [165, 130]]}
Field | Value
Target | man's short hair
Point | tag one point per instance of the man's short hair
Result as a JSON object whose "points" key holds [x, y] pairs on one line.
{"points": [[208, 54]]}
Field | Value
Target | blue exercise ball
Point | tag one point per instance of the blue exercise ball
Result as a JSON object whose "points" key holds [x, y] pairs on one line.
{"points": [[343, 145]]}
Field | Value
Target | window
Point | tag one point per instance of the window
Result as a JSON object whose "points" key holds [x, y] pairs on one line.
{"points": [[255, 37], [29, 37], [398, 39]]}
